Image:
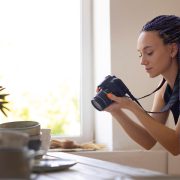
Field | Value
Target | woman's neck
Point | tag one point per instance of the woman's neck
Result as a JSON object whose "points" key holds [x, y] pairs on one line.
{"points": [[171, 75]]}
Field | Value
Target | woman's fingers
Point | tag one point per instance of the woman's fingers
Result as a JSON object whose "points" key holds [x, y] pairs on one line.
{"points": [[112, 97], [123, 102]]}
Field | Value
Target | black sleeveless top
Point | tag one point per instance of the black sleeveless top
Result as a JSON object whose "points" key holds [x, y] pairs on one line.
{"points": [[175, 108]]}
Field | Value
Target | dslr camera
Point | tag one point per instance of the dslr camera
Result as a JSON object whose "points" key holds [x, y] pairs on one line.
{"points": [[113, 85]]}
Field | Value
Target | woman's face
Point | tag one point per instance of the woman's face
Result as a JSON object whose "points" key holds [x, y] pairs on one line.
{"points": [[154, 54]]}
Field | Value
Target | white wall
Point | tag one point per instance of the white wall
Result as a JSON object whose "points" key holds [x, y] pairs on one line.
{"points": [[116, 27]]}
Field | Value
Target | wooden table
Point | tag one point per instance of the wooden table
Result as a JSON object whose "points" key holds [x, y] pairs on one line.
{"points": [[93, 169]]}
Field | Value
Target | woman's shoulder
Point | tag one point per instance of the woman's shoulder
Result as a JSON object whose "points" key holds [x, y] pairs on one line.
{"points": [[158, 102], [161, 92]]}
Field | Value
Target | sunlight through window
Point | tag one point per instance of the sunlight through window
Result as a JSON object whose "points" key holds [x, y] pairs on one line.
{"points": [[40, 62]]}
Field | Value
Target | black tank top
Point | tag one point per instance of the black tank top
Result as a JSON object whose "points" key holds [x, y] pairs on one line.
{"points": [[175, 108]]}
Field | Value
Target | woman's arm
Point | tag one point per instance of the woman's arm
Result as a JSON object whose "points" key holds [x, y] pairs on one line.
{"points": [[134, 130], [154, 128], [178, 132], [137, 132], [167, 137]]}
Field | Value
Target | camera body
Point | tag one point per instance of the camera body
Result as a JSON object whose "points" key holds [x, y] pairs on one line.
{"points": [[111, 84]]}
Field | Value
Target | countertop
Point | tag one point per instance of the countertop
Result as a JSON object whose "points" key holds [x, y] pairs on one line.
{"points": [[92, 169]]}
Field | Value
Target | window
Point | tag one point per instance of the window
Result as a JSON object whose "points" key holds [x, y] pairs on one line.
{"points": [[45, 58]]}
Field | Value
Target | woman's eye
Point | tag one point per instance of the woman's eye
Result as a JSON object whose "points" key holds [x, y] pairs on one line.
{"points": [[150, 53]]}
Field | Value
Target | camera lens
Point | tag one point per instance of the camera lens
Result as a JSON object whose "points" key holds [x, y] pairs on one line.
{"points": [[101, 101], [97, 105]]}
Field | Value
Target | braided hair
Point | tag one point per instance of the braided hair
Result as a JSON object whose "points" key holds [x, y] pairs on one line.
{"points": [[168, 28]]}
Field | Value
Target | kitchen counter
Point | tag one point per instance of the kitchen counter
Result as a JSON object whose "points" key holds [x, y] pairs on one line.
{"points": [[92, 169]]}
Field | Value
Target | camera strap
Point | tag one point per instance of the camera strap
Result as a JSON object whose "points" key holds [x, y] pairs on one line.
{"points": [[136, 99], [175, 96], [162, 82]]}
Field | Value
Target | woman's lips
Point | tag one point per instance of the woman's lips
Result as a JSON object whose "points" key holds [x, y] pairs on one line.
{"points": [[148, 69]]}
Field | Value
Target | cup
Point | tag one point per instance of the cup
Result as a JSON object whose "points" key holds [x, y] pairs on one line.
{"points": [[16, 163], [32, 128], [45, 139]]}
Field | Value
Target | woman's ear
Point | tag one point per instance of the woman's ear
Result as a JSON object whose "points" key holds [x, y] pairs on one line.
{"points": [[174, 50]]}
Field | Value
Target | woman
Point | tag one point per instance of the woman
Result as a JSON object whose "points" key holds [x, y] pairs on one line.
{"points": [[159, 48]]}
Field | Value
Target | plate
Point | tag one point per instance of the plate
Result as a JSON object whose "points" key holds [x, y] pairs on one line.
{"points": [[70, 150], [50, 165]]}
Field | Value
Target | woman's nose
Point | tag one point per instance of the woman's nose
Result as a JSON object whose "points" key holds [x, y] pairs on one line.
{"points": [[143, 61]]}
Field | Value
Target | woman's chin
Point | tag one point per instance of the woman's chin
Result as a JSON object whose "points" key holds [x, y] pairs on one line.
{"points": [[152, 75]]}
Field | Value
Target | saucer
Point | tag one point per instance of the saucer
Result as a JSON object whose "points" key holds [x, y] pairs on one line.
{"points": [[50, 165]]}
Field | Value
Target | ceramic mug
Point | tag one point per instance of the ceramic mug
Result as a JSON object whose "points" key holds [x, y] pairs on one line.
{"points": [[16, 163], [32, 128]]}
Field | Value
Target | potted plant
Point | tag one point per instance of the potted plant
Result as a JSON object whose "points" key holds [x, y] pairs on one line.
{"points": [[3, 101]]}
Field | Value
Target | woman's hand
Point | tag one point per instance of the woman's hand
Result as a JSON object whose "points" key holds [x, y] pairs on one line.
{"points": [[119, 103]]}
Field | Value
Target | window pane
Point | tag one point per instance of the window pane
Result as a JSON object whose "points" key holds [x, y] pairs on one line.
{"points": [[40, 62]]}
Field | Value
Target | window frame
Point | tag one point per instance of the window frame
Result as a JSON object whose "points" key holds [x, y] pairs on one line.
{"points": [[87, 118], [86, 75]]}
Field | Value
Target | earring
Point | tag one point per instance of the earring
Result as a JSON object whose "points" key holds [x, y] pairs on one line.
{"points": [[172, 57]]}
